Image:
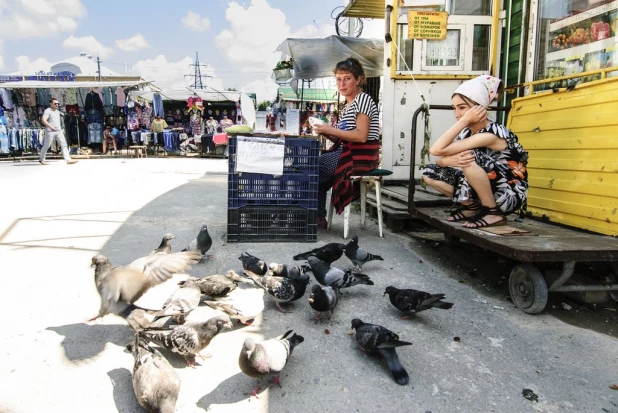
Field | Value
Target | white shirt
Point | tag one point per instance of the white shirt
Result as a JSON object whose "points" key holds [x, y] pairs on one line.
{"points": [[52, 117]]}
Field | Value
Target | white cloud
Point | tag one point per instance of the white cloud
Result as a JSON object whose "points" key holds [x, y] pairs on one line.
{"points": [[25, 64], [133, 43], [1, 54], [195, 22], [89, 45], [171, 75], [39, 18]]}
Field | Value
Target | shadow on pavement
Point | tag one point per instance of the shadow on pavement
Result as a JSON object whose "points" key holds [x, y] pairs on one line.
{"points": [[125, 400], [96, 335], [232, 390]]}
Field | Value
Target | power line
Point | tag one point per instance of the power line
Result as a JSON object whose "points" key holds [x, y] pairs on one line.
{"points": [[197, 75]]}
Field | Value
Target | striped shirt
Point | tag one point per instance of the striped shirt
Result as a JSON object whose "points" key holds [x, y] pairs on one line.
{"points": [[362, 103]]}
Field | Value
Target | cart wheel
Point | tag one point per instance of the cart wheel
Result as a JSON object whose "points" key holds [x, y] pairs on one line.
{"points": [[451, 239], [528, 288]]}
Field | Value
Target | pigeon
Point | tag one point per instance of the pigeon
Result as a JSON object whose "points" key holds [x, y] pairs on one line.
{"points": [[332, 276], [328, 253], [253, 264], [357, 255], [411, 301], [119, 287], [323, 299], [140, 319], [182, 301], [288, 271], [165, 247], [243, 304], [190, 338], [155, 381], [375, 339], [220, 285], [282, 290], [261, 359], [201, 243]]}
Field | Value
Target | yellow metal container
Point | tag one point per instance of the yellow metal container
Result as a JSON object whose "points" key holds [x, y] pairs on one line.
{"points": [[572, 140]]}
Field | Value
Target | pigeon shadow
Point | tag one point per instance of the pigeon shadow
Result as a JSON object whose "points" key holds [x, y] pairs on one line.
{"points": [[124, 397], [84, 341], [232, 390]]}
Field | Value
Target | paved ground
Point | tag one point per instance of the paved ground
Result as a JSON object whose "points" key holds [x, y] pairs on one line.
{"points": [[56, 218]]}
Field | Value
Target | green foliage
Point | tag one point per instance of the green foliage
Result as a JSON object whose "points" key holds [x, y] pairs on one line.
{"points": [[263, 105], [284, 64]]}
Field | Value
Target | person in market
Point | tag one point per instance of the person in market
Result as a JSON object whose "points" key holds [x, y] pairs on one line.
{"points": [[482, 165], [109, 138], [356, 141], [54, 132], [157, 127]]}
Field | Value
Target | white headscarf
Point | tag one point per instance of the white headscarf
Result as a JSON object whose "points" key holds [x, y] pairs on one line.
{"points": [[483, 89]]}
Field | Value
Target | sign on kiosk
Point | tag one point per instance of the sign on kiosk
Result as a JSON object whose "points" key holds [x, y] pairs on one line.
{"points": [[430, 25]]}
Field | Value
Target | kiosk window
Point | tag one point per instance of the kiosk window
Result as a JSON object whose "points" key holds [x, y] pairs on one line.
{"points": [[406, 46], [480, 47], [444, 52], [471, 7]]}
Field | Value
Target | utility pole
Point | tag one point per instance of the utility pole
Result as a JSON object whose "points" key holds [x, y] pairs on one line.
{"points": [[99, 67], [197, 75]]}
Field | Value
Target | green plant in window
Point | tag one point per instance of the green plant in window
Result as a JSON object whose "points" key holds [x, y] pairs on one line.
{"points": [[284, 64]]}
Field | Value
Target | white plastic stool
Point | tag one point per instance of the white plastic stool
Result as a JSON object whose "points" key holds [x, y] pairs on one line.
{"points": [[364, 181]]}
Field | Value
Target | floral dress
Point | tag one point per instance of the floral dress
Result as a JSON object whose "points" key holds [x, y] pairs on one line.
{"points": [[506, 170]]}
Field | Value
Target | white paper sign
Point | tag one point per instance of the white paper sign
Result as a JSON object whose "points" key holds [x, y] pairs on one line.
{"points": [[292, 121], [260, 155]]}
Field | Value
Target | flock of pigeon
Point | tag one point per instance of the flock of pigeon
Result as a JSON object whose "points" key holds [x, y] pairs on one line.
{"points": [[155, 381]]}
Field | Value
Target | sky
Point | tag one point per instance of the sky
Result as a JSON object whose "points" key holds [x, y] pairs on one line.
{"points": [[236, 40]]}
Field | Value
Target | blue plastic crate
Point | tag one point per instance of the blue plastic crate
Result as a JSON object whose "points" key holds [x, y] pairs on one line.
{"points": [[300, 155], [290, 189], [271, 224]]}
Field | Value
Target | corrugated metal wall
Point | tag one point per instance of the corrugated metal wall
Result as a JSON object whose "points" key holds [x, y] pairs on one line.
{"points": [[572, 140]]}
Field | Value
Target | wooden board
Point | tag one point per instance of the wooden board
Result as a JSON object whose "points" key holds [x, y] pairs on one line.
{"points": [[506, 230]]}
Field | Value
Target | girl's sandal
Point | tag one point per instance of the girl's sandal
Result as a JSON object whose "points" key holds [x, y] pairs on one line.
{"points": [[459, 215], [478, 221]]}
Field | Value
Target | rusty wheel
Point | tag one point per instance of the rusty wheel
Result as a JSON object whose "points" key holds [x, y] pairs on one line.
{"points": [[528, 289]]}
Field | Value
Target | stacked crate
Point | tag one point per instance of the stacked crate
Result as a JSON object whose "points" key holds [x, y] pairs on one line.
{"points": [[268, 208]]}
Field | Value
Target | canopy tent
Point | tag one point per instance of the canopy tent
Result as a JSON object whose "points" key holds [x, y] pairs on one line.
{"points": [[208, 94], [41, 84], [318, 57]]}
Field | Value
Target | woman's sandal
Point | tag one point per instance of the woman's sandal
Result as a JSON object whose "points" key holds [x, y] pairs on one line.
{"points": [[459, 215], [478, 221]]}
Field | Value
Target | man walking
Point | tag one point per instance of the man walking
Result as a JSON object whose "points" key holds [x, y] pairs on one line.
{"points": [[53, 131]]}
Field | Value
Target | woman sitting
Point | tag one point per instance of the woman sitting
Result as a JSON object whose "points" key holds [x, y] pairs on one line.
{"points": [[108, 138], [482, 165], [356, 139]]}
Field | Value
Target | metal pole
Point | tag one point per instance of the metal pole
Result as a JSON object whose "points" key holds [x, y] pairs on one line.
{"points": [[99, 68]]}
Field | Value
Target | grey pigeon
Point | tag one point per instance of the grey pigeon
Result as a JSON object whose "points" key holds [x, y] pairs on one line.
{"points": [[201, 243], [243, 304], [331, 276], [220, 285], [190, 338], [282, 290], [140, 319], [119, 287], [166, 246], [328, 253], [323, 299], [271, 356], [155, 381], [357, 255], [375, 339], [411, 301], [288, 271], [182, 301], [253, 264]]}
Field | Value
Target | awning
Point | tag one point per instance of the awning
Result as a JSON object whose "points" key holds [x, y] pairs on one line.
{"points": [[39, 84], [318, 57], [310, 95], [370, 9]]}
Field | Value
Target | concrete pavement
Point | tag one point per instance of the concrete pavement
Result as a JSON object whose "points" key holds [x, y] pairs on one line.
{"points": [[56, 217]]}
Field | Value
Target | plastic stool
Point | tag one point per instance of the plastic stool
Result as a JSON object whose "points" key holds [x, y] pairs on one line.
{"points": [[365, 179]]}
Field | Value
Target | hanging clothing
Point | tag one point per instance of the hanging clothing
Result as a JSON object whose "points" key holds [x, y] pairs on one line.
{"points": [[7, 98], [157, 105]]}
